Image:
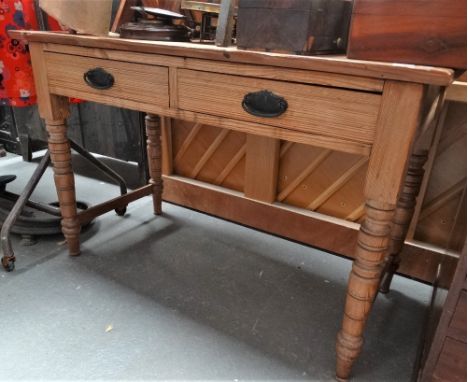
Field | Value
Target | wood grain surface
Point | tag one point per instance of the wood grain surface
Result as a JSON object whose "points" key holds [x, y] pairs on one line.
{"points": [[410, 31], [335, 113], [330, 64], [135, 82]]}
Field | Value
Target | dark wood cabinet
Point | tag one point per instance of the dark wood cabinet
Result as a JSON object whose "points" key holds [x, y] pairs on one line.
{"points": [[444, 352]]}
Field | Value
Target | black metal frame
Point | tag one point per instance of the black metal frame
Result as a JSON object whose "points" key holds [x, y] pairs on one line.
{"points": [[8, 259]]}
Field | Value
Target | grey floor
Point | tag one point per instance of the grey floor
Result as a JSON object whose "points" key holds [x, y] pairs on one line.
{"points": [[187, 296]]}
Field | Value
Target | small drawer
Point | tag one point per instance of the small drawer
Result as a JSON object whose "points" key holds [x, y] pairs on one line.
{"points": [[107, 81], [321, 110]]}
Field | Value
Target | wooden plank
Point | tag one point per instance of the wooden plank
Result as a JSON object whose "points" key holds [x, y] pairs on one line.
{"points": [[337, 184], [433, 205], [285, 148], [451, 365], [173, 88], [134, 82], [188, 141], [395, 134], [303, 174], [261, 168], [317, 181], [196, 152], [457, 326], [457, 92], [225, 26], [410, 31], [401, 42], [246, 127], [347, 199], [446, 226], [435, 347], [222, 157], [209, 152], [117, 55], [50, 107], [308, 227], [235, 180], [357, 213], [337, 113], [232, 163], [286, 74], [118, 202], [166, 138], [441, 8], [445, 171], [333, 64]]}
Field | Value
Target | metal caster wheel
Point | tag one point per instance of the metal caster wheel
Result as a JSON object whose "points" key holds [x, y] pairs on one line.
{"points": [[121, 211], [8, 263]]}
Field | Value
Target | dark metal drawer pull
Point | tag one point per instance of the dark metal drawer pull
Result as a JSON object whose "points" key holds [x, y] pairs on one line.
{"points": [[264, 104], [98, 78]]}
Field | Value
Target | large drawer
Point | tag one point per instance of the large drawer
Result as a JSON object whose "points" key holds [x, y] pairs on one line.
{"points": [[346, 114], [140, 83]]}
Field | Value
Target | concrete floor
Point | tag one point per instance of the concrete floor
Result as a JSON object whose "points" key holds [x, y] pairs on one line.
{"points": [[187, 296]]}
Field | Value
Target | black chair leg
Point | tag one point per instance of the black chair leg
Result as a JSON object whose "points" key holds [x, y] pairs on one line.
{"points": [[8, 259]]}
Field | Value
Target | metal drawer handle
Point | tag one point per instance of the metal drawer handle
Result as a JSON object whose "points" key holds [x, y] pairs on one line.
{"points": [[98, 78], [264, 104]]}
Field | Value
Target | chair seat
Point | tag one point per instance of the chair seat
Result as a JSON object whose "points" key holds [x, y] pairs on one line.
{"points": [[4, 180]]}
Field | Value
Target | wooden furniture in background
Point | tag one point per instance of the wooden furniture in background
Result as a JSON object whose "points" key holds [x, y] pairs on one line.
{"points": [[438, 217], [445, 348], [431, 32], [294, 26], [360, 108]]}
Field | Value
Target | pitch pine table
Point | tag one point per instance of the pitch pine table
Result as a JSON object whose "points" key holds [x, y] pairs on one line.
{"points": [[368, 108]]}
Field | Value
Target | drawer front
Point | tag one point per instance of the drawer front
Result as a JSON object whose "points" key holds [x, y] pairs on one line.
{"points": [[117, 81], [320, 110]]}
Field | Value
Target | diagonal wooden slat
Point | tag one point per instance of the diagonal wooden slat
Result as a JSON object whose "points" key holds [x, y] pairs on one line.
{"points": [[433, 113], [166, 139], [336, 185], [304, 174], [438, 202], [454, 136], [285, 148], [357, 213], [209, 152], [230, 166], [188, 141]]}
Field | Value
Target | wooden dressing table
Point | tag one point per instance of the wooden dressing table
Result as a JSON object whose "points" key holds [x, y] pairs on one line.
{"points": [[368, 108]]}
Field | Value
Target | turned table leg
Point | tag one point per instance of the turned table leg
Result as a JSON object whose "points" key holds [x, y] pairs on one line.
{"points": [[372, 246], [396, 128], [403, 215], [153, 132], [60, 154]]}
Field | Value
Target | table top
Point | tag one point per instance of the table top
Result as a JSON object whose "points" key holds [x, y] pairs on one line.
{"points": [[330, 63]]}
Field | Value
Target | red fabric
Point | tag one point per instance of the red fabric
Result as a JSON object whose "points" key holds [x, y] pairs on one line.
{"points": [[16, 77]]}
